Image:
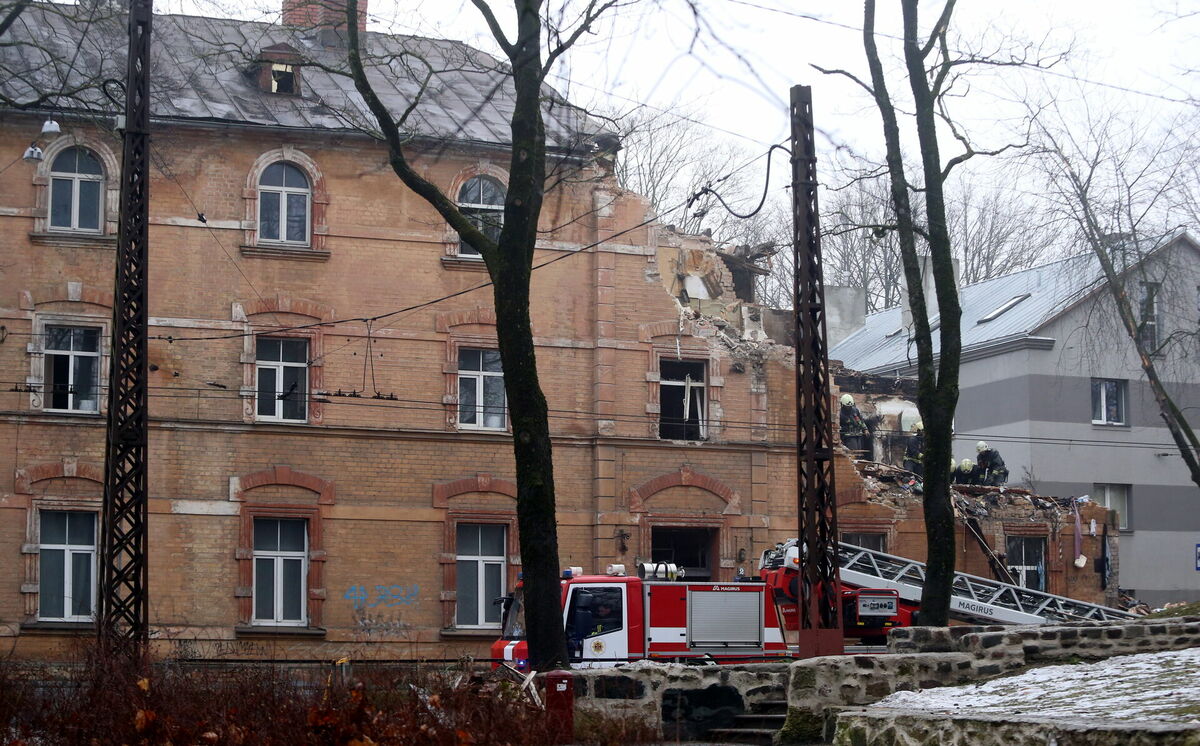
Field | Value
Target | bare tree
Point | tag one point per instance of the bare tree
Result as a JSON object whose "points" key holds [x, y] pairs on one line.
{"points": [[991, 234], [1120, 190], [531, 49], [933, 70], [34, 71]]}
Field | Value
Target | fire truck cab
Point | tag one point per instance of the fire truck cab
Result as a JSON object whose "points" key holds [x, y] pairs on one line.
{"points": [[615, 618]]}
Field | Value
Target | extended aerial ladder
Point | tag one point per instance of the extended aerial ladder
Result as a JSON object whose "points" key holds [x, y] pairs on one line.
{"points": [[973, 598]]}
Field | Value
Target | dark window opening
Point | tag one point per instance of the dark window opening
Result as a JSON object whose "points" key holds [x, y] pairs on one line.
{"points": [[283, 79], [687, 548], [874, 542], [1026, 560], [682, 400]]}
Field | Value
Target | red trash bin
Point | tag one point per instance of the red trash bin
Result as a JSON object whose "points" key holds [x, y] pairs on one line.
{"points": [[560, 705]]}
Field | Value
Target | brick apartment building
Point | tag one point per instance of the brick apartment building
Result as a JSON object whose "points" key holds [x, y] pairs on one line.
{"points": [[321, 485]]}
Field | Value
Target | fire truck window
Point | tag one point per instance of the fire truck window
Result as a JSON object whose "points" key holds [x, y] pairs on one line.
{"points": [[594, 611], [874, 542], [689, 548]]}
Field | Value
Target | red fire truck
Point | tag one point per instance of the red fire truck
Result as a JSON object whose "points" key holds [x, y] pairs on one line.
{"points": [[615, 618], [867, 613]]}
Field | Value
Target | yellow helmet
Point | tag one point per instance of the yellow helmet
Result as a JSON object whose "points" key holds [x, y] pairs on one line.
{"points": [[967, 464], [918, 426], [846, 400], [980, 447]]}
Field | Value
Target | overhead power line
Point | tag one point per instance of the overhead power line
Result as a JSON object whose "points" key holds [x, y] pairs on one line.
{"points": [[1043, 70]]}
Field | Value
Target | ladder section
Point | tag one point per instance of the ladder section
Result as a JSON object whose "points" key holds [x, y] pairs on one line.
{"points": [[973, 597]]}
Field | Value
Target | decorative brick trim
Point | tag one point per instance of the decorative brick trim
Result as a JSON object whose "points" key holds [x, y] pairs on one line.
{"points": [[244, 554], [444, 321], [685, 477], [478, 483], [69, 292], [671, 328], [24, 479], [110, 198], [449, 593], [282, 475], [282, 304], [319, 228]]}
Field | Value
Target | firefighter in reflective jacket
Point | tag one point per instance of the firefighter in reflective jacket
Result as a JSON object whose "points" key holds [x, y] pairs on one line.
{"points": [[992, 470], [966, 473], [853, 427], [914, 451]]}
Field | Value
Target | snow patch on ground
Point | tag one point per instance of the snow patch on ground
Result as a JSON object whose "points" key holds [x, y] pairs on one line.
{"points": [[1151, 687]]}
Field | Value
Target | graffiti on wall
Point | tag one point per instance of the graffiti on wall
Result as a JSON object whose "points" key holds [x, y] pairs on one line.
{"points": [[388, 596]]}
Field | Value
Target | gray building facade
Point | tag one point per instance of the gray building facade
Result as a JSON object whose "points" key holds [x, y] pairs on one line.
{"points": [[1050, 378]]}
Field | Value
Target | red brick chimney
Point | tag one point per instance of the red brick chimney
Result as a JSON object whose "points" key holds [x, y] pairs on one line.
{"points": [[321, 14]]}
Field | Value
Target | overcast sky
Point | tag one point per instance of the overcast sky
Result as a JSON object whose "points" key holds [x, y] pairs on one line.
{"points": [[732, 69]]}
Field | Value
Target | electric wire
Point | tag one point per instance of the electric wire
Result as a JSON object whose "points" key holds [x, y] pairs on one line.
{"points": [[326, 397]]}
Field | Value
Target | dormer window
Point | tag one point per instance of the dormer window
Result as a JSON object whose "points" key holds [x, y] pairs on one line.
{"points": [[283, 78], [279, 70]]}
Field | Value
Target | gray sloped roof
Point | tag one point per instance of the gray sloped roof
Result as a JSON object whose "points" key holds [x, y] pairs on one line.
{"points": [[204, 69], [1051, 288]]}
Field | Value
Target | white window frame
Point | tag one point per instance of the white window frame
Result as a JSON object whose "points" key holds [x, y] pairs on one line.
{"points": [[69, 551], [278, 367], [1123, 393], [482, 560], [71, 355], [466, 250], [478, 377], [689, 386], [1102, 495], [283, 192], [75, 179], [1022, 572], [277, 556]]}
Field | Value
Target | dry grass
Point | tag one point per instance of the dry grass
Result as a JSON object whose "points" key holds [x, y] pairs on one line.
{"points": [[107, 700]]}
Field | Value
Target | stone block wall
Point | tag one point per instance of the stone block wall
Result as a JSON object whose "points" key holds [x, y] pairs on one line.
{"points": [[884, 726], [686, 701], [927, 657]]}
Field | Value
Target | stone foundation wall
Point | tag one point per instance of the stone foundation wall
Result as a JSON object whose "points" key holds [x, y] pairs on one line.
{"points": [[927, 657], [1044, 644], [685, 701], [886, 727]]}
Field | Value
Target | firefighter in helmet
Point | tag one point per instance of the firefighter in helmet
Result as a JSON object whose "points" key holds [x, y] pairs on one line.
{"points": [[914, 451], [992, 470], [854, 428], [966, 473]]}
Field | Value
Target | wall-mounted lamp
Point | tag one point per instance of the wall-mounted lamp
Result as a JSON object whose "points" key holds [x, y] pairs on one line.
{"points": [[34, 154]]}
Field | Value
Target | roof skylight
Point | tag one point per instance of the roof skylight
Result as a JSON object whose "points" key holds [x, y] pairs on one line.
{"points": [[1008, 304]]}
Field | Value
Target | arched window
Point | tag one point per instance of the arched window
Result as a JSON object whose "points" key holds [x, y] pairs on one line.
{"points": [[481, 200], [284, 199], [76, 191]]}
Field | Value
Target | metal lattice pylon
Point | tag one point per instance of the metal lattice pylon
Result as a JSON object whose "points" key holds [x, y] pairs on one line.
{"points": [[820, 629], [124, 606]]}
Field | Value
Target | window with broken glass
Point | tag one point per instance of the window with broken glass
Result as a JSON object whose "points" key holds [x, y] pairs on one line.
{"points": [[682, 400], [72, 372], [1114, 497], [282, 372], [481, 200], [481, 399], [280, 571], [1026, 560], [1108, 401], [284, 197]]}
